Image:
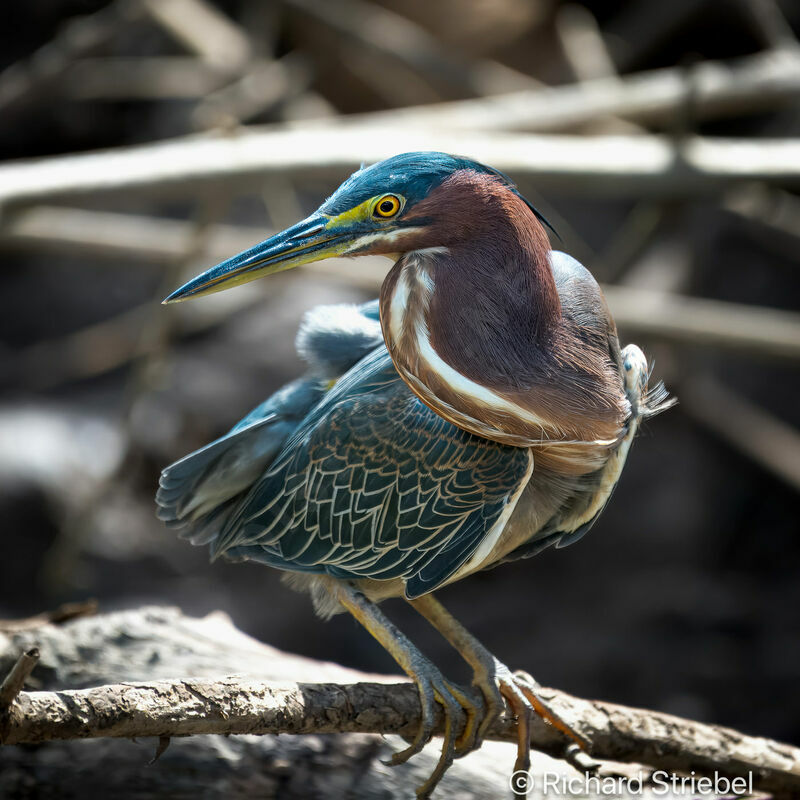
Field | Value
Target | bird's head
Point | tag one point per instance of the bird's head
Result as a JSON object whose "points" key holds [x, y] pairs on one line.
{"points": [[407, 202]]}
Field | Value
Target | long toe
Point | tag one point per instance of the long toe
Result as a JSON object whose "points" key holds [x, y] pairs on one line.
{"points": [[498, 686], [494, 706], [523, 711], [454, 720], [427, 699], [475, 709], [530, 689], [455, 702]]}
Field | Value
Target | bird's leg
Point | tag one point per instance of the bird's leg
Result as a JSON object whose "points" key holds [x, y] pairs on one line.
{"points": [[496, 682], [432, 686]]}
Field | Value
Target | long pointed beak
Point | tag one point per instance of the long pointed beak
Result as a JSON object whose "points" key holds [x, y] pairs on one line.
{"points": [[307, 241]]}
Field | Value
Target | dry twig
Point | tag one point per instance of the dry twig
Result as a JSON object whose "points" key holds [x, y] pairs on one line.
{"points": [[715, 88], [696, 321], [202, 28], [387, 33], [769, 441], [154, 78], [22, 82], [15, 680]]}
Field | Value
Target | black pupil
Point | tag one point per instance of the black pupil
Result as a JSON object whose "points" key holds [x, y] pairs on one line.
{"points": [[387, 206]]}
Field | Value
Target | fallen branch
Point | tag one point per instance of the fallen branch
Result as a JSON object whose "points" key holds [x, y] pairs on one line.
{"points": [[238, 705], [663, 315], [604, 165], [147, 647], [713, 88]]}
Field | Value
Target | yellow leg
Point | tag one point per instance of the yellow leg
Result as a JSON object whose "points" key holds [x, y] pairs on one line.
{"points": [[496, 683], [432, 686]]}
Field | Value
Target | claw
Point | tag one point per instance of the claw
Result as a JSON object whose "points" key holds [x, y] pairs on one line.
{"points": [[523, 712], [453, 722], [529, 688], [427, 701], [475, 712], [520, 690], [494, 706], [457, 707], [497, 685]]}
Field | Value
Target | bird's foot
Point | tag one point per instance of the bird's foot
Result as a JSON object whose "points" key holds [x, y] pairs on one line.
{"points": [[499, 686], [460, 706]]}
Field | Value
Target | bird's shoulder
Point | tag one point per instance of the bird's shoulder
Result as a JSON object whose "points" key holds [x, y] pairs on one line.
{"points": [[333, 338], [582, 299]]}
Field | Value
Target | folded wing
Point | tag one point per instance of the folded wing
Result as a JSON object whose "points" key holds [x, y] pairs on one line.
{"points": [[375, 485]]}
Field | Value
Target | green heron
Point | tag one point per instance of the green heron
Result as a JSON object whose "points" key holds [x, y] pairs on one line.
{"points": [[480, 411]]}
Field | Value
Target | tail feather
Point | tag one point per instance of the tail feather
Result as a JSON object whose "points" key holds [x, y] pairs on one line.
{"points": [[213, 474], [656, 400], [204, 530]]}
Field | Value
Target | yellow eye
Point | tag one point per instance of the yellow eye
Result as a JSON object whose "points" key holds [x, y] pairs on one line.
{"points": [[387, 206]]}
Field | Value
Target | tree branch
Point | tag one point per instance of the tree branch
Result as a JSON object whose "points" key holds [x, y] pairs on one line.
{"points": [[604, 165], [240, 705], [715, 89]]}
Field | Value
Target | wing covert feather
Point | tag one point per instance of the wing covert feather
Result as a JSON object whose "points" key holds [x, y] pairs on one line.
{"points": [[374, 484]]}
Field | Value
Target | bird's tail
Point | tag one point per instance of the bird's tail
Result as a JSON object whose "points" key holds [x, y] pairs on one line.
{"points": [[198, 492], [645, 400], [656, 398]]}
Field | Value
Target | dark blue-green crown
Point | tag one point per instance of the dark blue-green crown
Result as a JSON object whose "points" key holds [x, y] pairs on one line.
{"points": [[412, 175]]}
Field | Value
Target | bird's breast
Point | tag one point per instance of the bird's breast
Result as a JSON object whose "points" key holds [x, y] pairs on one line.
{"points": [[508, 417]]}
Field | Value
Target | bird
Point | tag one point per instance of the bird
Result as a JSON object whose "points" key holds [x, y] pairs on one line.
{"points": [[479, 411]]}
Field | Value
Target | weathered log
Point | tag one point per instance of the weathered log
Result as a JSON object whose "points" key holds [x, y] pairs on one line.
{"points": [[161, 643]]}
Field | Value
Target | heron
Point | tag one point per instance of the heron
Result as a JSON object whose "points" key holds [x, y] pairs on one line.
{"points": [[479, 411]]}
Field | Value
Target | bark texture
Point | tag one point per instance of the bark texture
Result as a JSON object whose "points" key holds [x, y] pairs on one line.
{"points": [[173, 665]]}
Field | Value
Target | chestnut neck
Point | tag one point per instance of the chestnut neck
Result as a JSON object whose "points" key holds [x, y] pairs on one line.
{"points": [[495, 307], [474, 324]]}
